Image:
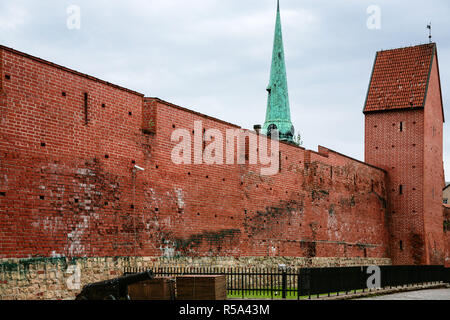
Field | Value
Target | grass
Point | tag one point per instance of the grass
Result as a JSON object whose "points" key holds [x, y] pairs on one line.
{"points": [[267, 294]]}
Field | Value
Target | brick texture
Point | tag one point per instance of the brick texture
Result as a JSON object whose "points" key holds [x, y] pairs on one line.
{"points": [[407, 143], [68, 188]]}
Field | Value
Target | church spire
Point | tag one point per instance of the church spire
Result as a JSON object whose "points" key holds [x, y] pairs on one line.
{"points": [[278, 114]]}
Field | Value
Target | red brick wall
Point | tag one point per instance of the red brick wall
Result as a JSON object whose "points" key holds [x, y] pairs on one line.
{"points": [[61, 195], [413, 159], [76, 195], [433, 167], [299, 212]]}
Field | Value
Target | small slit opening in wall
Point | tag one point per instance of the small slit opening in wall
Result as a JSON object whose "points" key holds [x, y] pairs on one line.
{"points": [[103, 105], [86, 120], [43, 144], [401, 245], [401, 126], [156, 209], [400, 189], [157, 167], [130, 113], [63, 93], [7, 77], [279, 161], [133, 162], [132, 206], [106, 156], [41, 197], [76, 200], [2, 194]]}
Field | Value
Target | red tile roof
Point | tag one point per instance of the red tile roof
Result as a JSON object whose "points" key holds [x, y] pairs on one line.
{"points": [[400, 78]]}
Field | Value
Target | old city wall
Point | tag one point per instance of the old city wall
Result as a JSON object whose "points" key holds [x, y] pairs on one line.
{"points": [[319, 204], [69, 196]]}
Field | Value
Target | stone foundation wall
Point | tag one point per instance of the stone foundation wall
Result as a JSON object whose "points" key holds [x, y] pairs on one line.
{"points": [[62, 278]]}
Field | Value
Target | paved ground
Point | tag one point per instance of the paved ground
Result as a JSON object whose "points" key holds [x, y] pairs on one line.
{"points": [[435, 294]]}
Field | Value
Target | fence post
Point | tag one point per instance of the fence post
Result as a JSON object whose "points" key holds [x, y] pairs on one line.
{"points": [[242, 284], [284, 283]]}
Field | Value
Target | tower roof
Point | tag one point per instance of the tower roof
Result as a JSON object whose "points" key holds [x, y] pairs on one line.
{"points": [[278, 109], [400, 78]]}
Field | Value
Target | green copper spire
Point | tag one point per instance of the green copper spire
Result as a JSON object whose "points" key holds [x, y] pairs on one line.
{"points": [[278, 115]]}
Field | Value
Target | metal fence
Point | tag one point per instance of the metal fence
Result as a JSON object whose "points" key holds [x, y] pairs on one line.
{"points": [[293, 283], [242, 282], [316, 281]]}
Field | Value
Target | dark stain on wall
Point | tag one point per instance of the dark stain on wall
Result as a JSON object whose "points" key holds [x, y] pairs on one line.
{"points": [[215, 240], [264, 221]]}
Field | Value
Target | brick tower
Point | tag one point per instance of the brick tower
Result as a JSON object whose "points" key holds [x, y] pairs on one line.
{"points": [[404, 135]]}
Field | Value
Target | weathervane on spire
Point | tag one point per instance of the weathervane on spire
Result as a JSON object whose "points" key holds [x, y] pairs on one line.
{"points": [[429, 28]]}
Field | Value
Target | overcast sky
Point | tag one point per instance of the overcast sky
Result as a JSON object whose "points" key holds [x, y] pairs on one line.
{"points": [[213, 56]]}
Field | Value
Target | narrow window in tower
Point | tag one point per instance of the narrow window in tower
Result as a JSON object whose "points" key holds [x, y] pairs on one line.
{"points": [[204, 140], [400, 189], [86, 108], [279, 161], [401, 126], [401, 245], [247, 148]]}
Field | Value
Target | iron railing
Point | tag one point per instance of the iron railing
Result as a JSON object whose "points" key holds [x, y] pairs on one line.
{"points": [[298, 283]]}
